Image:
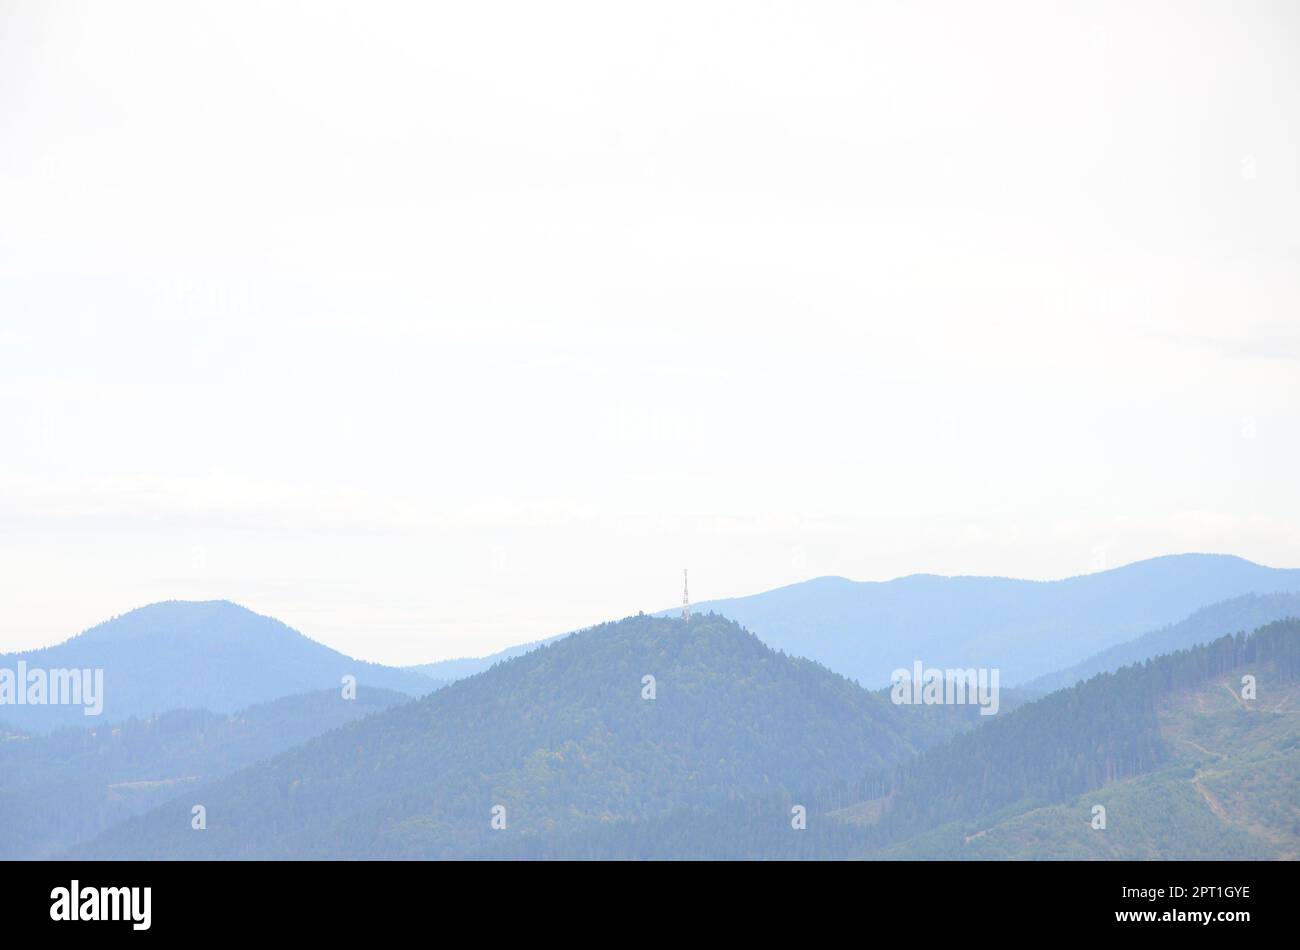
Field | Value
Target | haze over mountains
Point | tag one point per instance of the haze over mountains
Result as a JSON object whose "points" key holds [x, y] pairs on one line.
{"points": [[221, 657], [65, 787], [461, 667], [734, 734], [582, 764], [1209, 623], [211, 655], [867, 629]]}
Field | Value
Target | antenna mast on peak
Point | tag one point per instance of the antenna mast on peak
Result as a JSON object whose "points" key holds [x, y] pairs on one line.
{"points": [[686, 597]]}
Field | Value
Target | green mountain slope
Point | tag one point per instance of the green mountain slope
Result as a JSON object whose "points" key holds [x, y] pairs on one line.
{"points": [[561, 738], [739, 740], [1184, 766], [1229, 790]]}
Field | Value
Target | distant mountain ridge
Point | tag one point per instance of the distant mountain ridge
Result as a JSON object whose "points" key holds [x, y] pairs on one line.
{"points": [[212, 655], [1247, 612], [775, 610], [1027, 629], [449, 671]]}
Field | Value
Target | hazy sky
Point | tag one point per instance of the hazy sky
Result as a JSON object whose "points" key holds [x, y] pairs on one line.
{"points": [[430, 329]]}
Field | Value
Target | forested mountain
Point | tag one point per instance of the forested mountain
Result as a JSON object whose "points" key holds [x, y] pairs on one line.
{"points": [[1027, 629], [212, 655], [562, 738], [738, 739], [1073, 740], [67, 786], [1185, 767], [1227, 787], [1231, 616]]}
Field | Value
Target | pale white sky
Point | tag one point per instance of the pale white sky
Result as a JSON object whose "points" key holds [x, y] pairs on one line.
{"points": [[434, 328]]}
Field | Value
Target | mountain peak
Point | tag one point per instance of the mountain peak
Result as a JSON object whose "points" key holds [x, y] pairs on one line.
{"points": [[214, 655], [625, 719]]}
